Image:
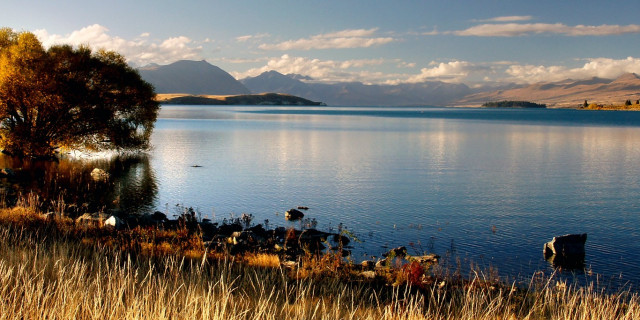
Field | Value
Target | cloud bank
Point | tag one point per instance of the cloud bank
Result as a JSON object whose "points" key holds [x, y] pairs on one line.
{"points": [[351, 38], [506, 19], [320, 70], [140, 51], [596, 67], [144, 49], [523, 29]]}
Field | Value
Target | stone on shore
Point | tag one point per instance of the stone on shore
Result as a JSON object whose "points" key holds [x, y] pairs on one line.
{"points": [[426, 259], [399, 252], [114, 222], [7, 172]]}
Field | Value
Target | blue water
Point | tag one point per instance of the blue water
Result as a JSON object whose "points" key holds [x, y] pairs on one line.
{"points": [[483, 186]]}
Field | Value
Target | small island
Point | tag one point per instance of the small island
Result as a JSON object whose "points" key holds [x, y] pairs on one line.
{"points": [[513, 104], [275, 99]]}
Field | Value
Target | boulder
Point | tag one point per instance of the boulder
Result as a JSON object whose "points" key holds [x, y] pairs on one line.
{"points": [[340, 240], [99, 175], [246, 237], [312, 239], [399, 252], [367, 264], [90, 220], [7, 172], [566, 246], [259, 230], [159, 216], [114, 222], [228, 229], [293, 214], [426, 259]]}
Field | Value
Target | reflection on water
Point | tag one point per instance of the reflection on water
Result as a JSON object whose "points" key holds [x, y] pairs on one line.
{"points": [[490, 185], [486, 186], [131, 189]]}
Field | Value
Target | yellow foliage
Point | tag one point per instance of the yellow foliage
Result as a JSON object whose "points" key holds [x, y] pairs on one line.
{"points": [[262, 260]]}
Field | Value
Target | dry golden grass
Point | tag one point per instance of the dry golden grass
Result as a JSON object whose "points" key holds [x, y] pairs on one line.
{"points": [[57, 277], [621, 107], [168, 96], [264, 260]]}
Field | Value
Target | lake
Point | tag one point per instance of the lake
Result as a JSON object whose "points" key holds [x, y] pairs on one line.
{"points": [[481, 187], [486, 186]]}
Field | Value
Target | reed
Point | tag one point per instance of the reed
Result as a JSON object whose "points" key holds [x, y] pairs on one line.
{"points": [[53, 276]]}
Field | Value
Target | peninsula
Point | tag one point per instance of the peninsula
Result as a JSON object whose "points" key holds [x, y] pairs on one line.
{"points": [[276, 99], [513, 104]]}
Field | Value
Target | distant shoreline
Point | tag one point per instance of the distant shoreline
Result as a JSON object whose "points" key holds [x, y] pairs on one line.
{"points": [[276, 99]]}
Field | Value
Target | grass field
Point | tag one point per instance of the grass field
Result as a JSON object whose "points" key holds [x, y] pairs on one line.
{"points": [[46, 272]]}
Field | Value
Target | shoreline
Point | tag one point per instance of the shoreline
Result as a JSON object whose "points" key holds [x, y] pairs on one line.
{"points": [[79, 278]]}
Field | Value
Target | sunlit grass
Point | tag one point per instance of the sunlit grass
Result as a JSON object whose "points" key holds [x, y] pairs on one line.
{"points": [[46, 273], [628, 107]]}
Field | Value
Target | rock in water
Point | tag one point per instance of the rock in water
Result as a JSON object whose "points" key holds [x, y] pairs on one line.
{"points": [[399, 252], [566, 246], [293, 214]]}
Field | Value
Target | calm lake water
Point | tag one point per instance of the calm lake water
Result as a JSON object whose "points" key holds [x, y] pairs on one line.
{"points": [[487, 186]]}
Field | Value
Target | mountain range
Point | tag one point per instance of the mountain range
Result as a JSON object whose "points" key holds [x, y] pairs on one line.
{"points": [[566, 93], [202, 78], [192, 77]]}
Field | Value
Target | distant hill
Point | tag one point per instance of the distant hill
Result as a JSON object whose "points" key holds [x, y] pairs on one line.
{"points": [[513, 104], [357, 93], [273, 81], [275, 99], [192, 77], [567, 93]]}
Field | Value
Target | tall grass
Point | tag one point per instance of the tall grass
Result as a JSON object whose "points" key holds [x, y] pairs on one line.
{"points": [[45, 277]]}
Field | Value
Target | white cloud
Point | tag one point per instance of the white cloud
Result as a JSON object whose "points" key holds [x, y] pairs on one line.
{"points": [[596, 67], [252, 37], [351, 38], [138, 52], [521, 29], [453, 71], [321, 70], [506, 19], [433, 32], [243, 38]]}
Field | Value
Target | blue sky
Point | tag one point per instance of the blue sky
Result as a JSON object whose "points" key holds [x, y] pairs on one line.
{"points": [[369, 41]]}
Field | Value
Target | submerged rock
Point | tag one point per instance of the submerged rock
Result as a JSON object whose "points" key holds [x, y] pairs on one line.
{"points": [[293, 214]]}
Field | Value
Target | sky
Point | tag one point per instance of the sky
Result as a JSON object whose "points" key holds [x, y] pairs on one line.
{"points": [[384, 42]]}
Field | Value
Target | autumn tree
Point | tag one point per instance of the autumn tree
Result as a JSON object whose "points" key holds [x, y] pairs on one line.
{"points": [[65, 97]]}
